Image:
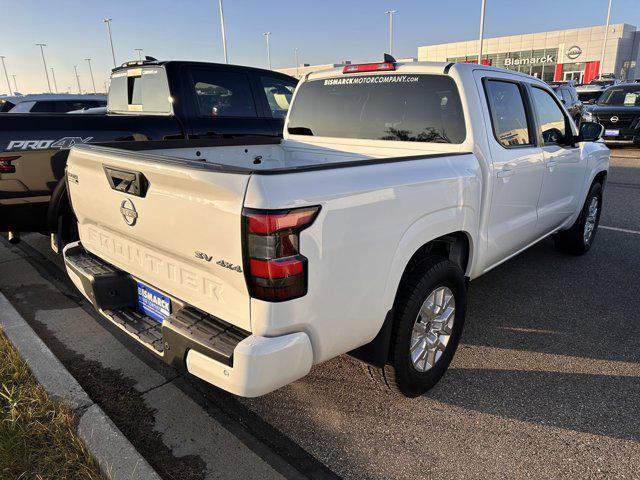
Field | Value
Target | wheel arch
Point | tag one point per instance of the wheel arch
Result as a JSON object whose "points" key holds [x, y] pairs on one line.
{"points": [[58, 204], [456, 245]]}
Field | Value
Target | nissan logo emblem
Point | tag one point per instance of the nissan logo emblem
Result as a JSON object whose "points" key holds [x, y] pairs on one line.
{"points": [[614, 119], [574, 52], [128, 211]]}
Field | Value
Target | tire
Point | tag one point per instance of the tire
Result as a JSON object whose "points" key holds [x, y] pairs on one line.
{"points": [[67, 231], [575, 240], [432, 280]]}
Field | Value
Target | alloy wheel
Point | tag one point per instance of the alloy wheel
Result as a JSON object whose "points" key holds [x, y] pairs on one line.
{"points": [[432, 329]]}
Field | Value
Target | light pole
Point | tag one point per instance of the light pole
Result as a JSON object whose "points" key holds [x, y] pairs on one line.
{"points": [[295, 52], [267, 35], [481, 39], [139, 50], [390, 13], [91, 73], [55, 84], [5, 74], [113, 52], [224, 34], [75, 68], [46, 73], [15, 84], [604, 41]]}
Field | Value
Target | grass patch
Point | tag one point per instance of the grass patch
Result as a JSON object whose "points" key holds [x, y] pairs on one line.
{"points": [[38, 437]]}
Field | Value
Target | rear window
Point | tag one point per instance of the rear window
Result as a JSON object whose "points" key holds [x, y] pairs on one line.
{"points": [[409, 108], [22, 107], [140, 90], [6, 105]]}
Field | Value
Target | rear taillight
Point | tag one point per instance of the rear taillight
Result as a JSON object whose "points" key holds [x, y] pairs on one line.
{"points": [[274, 268], [369, 67], [5, 164]]}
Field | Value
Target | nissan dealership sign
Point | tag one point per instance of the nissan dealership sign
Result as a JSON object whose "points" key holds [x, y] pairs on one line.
{"points": [[574, 52], [508, 62]]}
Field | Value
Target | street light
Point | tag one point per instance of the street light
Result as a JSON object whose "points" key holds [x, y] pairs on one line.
{"points": [[5, 74], [55, 84], [75, 68], [46, 73], [224, 34], [604, 42], [139, 50], [481, 33], [390, 13], [15, 84], [91, 72], [267, 35], [295, 52], [113, 53]]}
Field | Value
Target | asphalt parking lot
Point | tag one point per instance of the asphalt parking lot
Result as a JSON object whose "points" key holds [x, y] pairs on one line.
{"points": [[545, 384]]}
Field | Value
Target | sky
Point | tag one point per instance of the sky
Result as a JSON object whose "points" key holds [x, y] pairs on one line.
{"points": [[324, 31]]}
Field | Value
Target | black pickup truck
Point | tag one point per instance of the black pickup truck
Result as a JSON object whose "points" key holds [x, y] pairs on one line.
{"points": [[148, 101]]}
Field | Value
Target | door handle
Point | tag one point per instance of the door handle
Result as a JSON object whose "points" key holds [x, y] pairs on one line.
{"points": [[505, 172]]}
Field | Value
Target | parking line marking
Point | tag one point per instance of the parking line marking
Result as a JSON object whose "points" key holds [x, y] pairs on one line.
{"points": [[635, 232]]}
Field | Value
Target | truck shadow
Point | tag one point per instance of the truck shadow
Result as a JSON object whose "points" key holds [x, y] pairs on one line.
{"points": [[545, 301], [596, 404]]}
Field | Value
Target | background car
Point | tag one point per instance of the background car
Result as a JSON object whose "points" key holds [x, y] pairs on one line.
{"points": [[569, 98], [52, 103], [618, 111], [91, 111]]}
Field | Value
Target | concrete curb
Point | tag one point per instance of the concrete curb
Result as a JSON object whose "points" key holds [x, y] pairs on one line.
{"points": [[117, 457]]}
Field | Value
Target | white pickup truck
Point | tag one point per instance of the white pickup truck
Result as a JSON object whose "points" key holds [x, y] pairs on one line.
{"points": [[395, 184]]}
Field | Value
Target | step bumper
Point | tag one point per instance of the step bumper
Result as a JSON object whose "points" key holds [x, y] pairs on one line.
{"points": [[207, 347]]}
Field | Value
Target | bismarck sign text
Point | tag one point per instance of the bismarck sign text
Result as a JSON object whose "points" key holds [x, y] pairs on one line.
{"points": [[528, 61]]}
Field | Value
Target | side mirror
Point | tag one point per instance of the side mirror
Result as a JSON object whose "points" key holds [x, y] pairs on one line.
{"points": [[590, 132]]}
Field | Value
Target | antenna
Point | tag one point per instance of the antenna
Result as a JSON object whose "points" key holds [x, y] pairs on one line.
{"points": [[389, 59]]}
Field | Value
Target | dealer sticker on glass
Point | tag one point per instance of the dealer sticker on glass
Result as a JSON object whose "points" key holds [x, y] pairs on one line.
{"points": [[153, 303]]}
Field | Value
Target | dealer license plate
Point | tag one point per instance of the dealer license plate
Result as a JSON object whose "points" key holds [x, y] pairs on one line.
{"points": [[153, 303], [611, 133]]}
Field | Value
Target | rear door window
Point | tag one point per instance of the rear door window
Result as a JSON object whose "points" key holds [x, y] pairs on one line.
{"points": [[508, 114], [408, 108], [44, 107], [553, 123], [220, 94]]}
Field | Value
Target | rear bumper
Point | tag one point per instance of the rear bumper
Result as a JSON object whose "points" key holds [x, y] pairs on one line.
{"points": [[207, 347]]}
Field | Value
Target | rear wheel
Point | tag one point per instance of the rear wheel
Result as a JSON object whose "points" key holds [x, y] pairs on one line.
{"points": [[429, 319], [578, 239]]}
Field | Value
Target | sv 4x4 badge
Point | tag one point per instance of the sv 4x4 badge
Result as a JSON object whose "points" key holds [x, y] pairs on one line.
{"points": [[222, 263]]}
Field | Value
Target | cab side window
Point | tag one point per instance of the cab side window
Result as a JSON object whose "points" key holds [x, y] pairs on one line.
{"points": [[278, 93], [553, 123], [508, 114], [222, 94]]}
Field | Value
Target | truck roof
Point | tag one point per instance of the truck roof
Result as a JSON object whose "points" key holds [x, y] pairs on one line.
{"points": [[144, 63], [415, 67]]}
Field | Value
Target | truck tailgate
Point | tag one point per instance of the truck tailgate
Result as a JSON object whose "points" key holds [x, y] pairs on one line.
{"points": [[174, 224]]}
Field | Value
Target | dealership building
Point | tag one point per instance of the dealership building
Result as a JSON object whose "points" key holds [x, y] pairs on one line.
{"points": [[559, 55]]}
